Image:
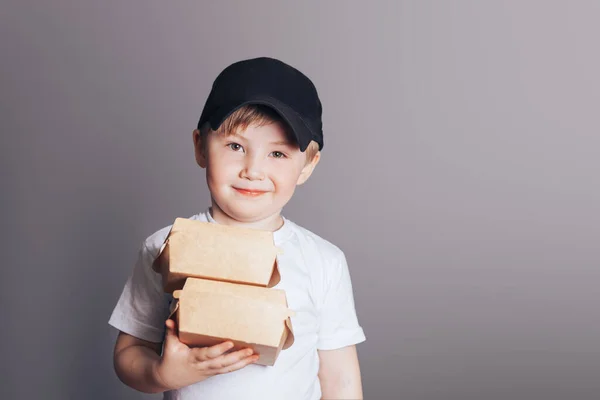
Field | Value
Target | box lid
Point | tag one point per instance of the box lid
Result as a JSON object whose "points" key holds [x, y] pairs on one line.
{"points": [[213, 251]]}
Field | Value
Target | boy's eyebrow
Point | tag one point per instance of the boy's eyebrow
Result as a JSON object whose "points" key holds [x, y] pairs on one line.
{"points": [[236, 135], [282, 143], [276, 143]]}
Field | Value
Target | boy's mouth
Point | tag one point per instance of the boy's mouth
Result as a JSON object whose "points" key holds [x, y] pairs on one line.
{"points": [[250, 193]]}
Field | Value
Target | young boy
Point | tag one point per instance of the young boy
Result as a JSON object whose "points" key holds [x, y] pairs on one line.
{"points": [[259, 136]]}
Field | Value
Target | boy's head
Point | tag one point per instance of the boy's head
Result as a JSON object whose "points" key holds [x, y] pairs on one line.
{"points": [[259, 136]]}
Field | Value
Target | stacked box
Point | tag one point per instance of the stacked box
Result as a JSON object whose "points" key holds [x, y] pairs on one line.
{"points": [[222, 279]]}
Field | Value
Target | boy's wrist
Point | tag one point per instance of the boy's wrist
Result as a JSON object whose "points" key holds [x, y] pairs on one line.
{"points": [[155, 377]]}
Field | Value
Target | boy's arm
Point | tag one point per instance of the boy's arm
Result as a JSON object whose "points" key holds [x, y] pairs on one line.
{"points": [[339, 373], [139, 365], [134, 362]]}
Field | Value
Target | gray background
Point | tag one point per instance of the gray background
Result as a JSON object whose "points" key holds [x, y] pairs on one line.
{"points": [[459, 176]]}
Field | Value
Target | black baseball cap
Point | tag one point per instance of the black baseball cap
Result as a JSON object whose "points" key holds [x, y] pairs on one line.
{"points": [[272, 83]]}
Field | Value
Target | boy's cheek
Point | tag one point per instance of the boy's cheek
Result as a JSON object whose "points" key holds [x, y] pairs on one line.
{"points": [[221, 165]]}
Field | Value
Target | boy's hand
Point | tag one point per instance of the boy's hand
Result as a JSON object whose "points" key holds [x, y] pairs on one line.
{"points": [[182, 366]]}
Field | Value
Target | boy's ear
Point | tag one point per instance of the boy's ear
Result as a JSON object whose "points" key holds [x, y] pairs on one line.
{"points": [[308, 169], [199, 148]]}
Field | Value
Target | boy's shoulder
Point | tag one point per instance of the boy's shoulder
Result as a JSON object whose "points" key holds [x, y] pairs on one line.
{"points": [[310, 241]]}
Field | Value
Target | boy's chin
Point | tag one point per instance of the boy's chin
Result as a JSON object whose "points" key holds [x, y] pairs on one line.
{"points": [[248, 215]]}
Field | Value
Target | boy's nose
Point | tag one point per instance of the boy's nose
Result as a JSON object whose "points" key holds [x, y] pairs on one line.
{"points": [[252, 171]]}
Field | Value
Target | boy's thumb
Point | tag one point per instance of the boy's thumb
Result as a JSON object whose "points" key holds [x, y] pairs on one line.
{"points": [[170, 332]]}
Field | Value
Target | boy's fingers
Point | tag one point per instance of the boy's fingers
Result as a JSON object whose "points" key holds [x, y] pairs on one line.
{"points": [[208, 353], [238, 365], [227, 360]]}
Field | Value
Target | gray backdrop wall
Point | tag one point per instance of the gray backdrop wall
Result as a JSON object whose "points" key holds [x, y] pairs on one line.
{"points": [[460, 176]]}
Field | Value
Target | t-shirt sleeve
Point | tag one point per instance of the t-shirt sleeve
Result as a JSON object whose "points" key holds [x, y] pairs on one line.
{"points": [[339, 325], [143, 306]]}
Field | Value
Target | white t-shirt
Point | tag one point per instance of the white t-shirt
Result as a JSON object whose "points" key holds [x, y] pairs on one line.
{"points": [[315, 277]]}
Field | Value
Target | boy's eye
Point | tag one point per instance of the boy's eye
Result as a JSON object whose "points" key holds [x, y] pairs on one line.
{"points": [[278, 154], [235, 146]]}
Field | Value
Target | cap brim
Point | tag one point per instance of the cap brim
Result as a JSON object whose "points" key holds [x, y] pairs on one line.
{"points": [[300, 130]]}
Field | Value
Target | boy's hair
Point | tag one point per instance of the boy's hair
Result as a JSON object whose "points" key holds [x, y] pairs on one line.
{"points": [[259, 115]]}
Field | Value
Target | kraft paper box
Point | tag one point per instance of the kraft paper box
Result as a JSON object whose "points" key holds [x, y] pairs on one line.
{"points": [[211, 251], [210, 312]]}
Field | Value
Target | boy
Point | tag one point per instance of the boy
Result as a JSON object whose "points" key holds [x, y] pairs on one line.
{"points": [[259, 136]]}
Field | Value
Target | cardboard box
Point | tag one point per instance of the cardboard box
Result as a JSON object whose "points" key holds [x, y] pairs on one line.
{"points": [[209, 312], [212, 251]]}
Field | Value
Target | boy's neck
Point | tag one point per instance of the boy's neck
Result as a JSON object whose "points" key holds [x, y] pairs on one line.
{"points": [[271, 223]]}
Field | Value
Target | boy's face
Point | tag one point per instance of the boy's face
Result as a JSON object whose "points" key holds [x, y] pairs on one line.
{"points": [[252, 173]]}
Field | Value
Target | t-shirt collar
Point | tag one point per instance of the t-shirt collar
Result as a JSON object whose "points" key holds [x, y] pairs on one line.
{"points": [[279, 236]]}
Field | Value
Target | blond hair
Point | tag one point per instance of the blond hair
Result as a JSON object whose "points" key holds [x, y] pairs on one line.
{"points": [[259, 115]]}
